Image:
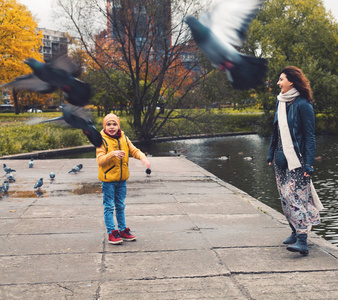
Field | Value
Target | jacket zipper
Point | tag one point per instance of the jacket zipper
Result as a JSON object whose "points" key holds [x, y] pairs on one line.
{"points": [[121, 158]]}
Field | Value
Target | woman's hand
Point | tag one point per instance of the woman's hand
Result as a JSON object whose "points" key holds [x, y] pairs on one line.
{"points": [[308, 171], [119, 154]]}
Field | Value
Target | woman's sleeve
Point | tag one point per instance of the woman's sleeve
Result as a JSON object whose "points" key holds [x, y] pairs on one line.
{"points": [[307, 117]]}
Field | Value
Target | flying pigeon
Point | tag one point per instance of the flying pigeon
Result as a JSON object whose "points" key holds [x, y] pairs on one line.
{"points": [[8, 169], [78, 118], [39, 183], [58, 73], [31, 163], [5, 186], [218, 32], [10, 177], [74, 170]]}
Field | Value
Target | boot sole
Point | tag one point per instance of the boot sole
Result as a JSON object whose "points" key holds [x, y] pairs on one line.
{"points": [[128, 240], [291, 243], [301, 252], [115, 243]]}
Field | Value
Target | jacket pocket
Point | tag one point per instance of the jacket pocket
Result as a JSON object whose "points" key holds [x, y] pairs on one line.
{"points": [[105, 173]]}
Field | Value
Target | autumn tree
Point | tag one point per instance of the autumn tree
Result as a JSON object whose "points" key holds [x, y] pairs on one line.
{"points": [[19, 39], [145, 40]]}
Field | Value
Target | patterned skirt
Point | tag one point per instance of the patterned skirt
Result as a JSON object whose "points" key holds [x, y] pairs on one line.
{"points": [[296, 198]]}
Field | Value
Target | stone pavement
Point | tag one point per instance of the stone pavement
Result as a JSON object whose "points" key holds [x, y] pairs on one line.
{"points": [[198, 238]]}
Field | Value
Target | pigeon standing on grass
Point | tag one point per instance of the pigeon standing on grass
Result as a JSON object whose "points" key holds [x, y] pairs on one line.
{"points": [[47, 77], [218, 32], [38, 184], [31, 163], [77, 117]]}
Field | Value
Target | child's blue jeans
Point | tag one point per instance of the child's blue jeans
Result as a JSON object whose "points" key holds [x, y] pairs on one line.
{"points": [[114, 194]]}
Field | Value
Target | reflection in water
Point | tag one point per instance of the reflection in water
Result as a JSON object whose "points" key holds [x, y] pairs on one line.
{"points": [[256, 177]]}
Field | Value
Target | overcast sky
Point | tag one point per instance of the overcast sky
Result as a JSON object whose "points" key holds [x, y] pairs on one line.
{"points": [[41, 9]]}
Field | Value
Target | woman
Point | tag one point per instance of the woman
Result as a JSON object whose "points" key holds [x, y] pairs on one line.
{"points": [[292, 150]]}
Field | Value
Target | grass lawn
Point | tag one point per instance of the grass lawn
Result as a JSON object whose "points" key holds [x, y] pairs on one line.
{"points": [[18, 135]]}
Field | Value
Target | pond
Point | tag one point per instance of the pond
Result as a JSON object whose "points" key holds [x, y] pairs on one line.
{"points": [[256, 177]]}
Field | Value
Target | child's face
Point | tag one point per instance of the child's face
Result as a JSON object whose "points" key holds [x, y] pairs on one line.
{"points": [[112, 127]]}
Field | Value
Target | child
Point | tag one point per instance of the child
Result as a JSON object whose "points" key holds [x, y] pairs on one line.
{"points": [[112, 159]]}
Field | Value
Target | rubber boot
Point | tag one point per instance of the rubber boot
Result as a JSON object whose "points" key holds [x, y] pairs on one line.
{"points": [[292, 238], [300, 246]]}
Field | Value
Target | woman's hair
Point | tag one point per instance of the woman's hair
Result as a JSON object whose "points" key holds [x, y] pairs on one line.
{"points": [[300, 82]]}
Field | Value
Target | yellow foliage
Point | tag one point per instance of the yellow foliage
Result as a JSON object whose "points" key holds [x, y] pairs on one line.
{"points": [[19, 39]]}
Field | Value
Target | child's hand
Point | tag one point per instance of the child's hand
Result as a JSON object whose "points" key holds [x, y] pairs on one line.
{"points": [[146, 162], [119, 154]]}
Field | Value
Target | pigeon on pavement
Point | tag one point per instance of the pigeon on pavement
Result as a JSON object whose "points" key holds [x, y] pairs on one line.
{"points": [[39, 183], [52, 175], [74, 170], [58, 73], [8, 169], [31, 163], [10, 177], [5, 186], [77, 117], [80, 166], [218, 32]]}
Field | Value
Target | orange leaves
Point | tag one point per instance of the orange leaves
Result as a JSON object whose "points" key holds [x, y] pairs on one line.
{"points": [[19, 39]]}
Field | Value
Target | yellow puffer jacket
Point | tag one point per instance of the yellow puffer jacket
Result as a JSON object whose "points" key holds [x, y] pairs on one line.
{"points": [[110, 167]]}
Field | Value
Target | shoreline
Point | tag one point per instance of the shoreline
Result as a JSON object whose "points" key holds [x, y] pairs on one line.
{"points": [[43, 154]]}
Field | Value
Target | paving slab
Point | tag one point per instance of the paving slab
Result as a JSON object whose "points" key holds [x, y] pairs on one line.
{"points": [[163, 264], [51, 268], [62, 211], [243, 236], [293, 286], [156, 209], [268, 259], [54, 291], [58, 225], [219, 287], [31, 244]]}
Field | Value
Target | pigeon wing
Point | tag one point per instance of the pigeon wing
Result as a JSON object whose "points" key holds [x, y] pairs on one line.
{"points": [[229, 20], [30, 82], [64, 63]]}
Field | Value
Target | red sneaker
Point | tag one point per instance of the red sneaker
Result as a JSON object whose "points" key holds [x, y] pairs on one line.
{"points": [[126, 236], [114, 238]]}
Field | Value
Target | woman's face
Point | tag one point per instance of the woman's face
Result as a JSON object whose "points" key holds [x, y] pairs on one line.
{"points": [[112, 127], [284, 84]]}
